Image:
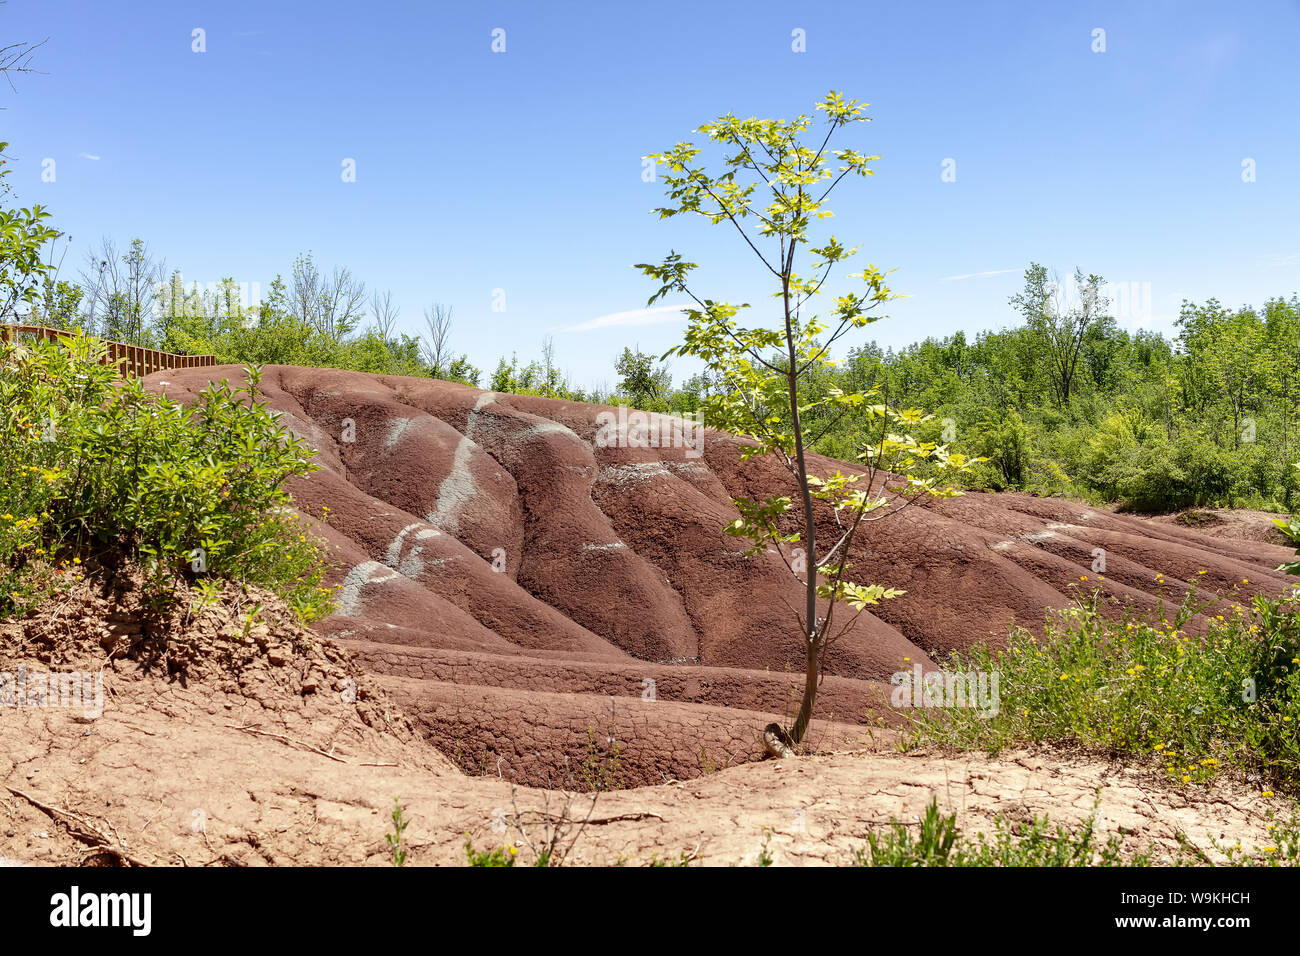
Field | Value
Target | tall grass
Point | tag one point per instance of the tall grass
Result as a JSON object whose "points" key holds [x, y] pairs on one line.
{"points": [[1196, 703]]}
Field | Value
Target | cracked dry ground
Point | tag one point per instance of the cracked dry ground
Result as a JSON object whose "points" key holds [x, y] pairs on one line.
{"points": [[164, 758], [520, 591]]}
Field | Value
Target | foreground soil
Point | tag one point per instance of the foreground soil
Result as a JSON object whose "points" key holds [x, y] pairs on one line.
{"points": [[170, 781], [234, 742]]}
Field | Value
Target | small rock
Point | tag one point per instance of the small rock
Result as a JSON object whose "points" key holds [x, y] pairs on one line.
{"points": [[279, 655]]}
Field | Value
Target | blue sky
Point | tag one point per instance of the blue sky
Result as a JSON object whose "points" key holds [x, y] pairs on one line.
{"points": [[521, 171]]}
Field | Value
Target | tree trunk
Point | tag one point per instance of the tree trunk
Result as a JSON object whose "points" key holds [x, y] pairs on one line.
{"points": [[812, 638], [812, 672]]}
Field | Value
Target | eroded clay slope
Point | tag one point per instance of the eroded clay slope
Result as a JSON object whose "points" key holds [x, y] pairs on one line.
{"points": [[541, 601]]}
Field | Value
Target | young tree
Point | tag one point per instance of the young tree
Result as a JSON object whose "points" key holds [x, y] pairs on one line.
{"points": [[435, 349], [185, 321], [343, 304], [763, 368], [60, 304], [383, 315], [332, 306], [1228, 363], [1060, 326], [143, 278], [641, 382], [122, 290], [97, 276], [305, 291], [550, 374], [23, 233], [461, 370], [554, 384]]}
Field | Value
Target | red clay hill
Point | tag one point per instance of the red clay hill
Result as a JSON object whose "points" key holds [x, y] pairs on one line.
{"points": [[559, 610]]}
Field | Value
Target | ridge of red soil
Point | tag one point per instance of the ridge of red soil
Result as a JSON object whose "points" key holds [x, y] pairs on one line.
{"points": [[539, 601]]}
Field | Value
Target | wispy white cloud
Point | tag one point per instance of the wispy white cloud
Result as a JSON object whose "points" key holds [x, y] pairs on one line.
{"points": [[976, 275], [89, 156], [659, 315]]}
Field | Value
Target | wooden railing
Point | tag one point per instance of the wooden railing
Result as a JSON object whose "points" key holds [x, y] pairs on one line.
{"points": [[131, 359]]}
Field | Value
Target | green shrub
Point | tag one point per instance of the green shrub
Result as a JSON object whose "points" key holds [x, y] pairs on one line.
{"points": [[1195, 703], [501, 856], [92, 465], [1291, 528], [1004, 441], [397, 839], [939, 842]]}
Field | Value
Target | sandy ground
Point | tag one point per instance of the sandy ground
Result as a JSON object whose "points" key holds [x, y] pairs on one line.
{"points": [[262, 774]]}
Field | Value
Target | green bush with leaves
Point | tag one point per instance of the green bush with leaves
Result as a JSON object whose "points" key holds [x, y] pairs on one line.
{"points": [[23, 233], [1291, 529], [501, 856], [93, 465], [938, 841], [1196, 703]]}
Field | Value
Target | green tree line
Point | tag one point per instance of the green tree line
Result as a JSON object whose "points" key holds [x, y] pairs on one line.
{"points": [[1070, 403], [1064, 402]]}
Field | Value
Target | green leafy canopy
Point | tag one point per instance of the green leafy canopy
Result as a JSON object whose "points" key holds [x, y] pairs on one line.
{"points": [[772, 190], [23, 233]]}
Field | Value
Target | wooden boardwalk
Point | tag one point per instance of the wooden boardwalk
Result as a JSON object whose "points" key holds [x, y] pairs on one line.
{"points": [[131, 359]]}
